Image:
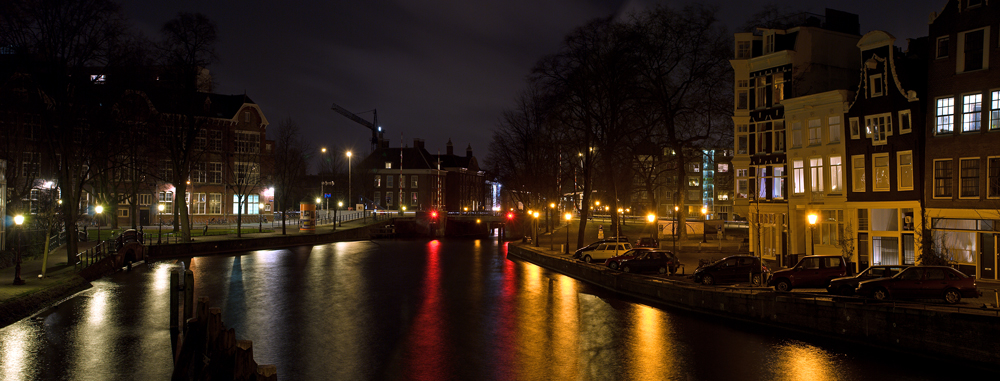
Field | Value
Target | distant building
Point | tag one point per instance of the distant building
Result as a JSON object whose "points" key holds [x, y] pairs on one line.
{"points": [[413, 178]]}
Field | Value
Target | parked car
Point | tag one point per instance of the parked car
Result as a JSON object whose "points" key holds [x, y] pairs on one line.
{"points": [[578, 254], [605, 251], [647, 242], [846, 285], [811, 271], [661, 261], [922, 282], [615, 262], [736, 268]]}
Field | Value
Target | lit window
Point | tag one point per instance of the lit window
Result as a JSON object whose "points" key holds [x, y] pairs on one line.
{"points": [[778, 183], [816, 175], [995, 110], [971, 112], [858, 173], [878, 127], [836, 175], [880, 172], [723, 167], [945, 112], [905, 162], [798, 177]]}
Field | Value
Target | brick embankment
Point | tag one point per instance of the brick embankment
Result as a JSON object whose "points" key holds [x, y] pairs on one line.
{"points": [[966, 334]]}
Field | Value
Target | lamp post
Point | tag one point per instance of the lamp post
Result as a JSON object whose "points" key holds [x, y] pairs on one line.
{"points": [[536, 228], [704, 225], [159, 232], [548, 216], [651, 218], [569, 217], [349, 199], [322, 184], [18, 220], [97, 212], [339, 205], [676, 220], [812, 232]]}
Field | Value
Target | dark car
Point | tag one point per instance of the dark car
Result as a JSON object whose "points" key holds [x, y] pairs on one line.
{"points": [[922, 282], [615, 262], [846, 285], [811, 271], [578, 254], [661, 261], [647, 242], [733, 269]]}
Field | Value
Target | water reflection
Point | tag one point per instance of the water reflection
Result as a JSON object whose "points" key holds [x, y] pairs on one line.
{"points": [[402, 310]]}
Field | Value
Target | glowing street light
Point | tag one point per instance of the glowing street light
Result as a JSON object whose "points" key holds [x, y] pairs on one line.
{"points": [[651, 218], [535, 214], [569, 217], [97, 211], [812, 231], [349, 199], [704, 234], [159, 233], [260, 218], [18, 220]]}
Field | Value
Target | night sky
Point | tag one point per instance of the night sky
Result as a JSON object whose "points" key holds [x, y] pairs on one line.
{"points": [[433, 69]]}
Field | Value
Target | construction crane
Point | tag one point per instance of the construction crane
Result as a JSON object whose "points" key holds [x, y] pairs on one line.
{"points": [[373, 125]]}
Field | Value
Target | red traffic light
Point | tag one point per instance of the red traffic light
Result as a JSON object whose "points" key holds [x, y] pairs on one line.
{"points": [[510, 216], [434, 214]]}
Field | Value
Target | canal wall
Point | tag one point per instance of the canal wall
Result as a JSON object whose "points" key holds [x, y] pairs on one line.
{"points": [[937, 332], [231, 245]]}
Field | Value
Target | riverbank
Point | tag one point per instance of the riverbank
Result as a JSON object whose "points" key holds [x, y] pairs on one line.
{"points": [[965, 334]]}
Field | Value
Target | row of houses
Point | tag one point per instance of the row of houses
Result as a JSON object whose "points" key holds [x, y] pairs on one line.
{"points": [[894, 150]]}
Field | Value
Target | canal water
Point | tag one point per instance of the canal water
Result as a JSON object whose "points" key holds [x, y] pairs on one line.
{"points": [[424, 310]]}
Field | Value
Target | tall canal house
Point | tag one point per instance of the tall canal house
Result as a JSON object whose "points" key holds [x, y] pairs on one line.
{"points": [[790, 93]]}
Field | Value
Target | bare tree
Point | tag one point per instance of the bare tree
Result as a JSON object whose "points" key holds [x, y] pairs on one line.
{"points": [[61, 38], [188, 47], [290, 165]]}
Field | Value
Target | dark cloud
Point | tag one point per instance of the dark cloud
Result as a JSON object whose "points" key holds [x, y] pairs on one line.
{"points": [[435, 70]]}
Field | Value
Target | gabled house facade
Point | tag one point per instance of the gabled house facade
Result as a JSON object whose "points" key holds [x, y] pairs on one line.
{"points": [[962, 158], [884, 158], [772, 66]]}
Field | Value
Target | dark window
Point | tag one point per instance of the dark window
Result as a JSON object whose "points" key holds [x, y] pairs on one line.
{"points": [[942, 47], [942, 178], [974, 50], [970, 178]]}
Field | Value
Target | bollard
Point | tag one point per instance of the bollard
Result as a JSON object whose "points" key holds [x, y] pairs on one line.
{"points": [[997, 296], [188, 294]]}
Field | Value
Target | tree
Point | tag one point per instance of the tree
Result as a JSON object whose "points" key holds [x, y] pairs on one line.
{"points": [[685, 82], [290, 165], [187, 48], [56, 40]]}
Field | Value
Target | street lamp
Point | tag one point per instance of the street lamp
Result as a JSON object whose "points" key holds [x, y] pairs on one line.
{"points": [[97, 210], [323, 183], [676, 220], [569, 216], [18, 220], [651, 218], [339, 205], [548, 216], [349, 199], [704, 225], [812, 232], [260, 217], [159, 233], [535, 214]]}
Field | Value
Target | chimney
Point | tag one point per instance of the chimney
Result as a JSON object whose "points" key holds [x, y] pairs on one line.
{"points": [[450, 148], [418, 143], [468, 151]]}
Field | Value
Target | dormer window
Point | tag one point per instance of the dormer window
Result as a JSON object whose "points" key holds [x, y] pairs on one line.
{"points": [[769, 43], [743, 49]]}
